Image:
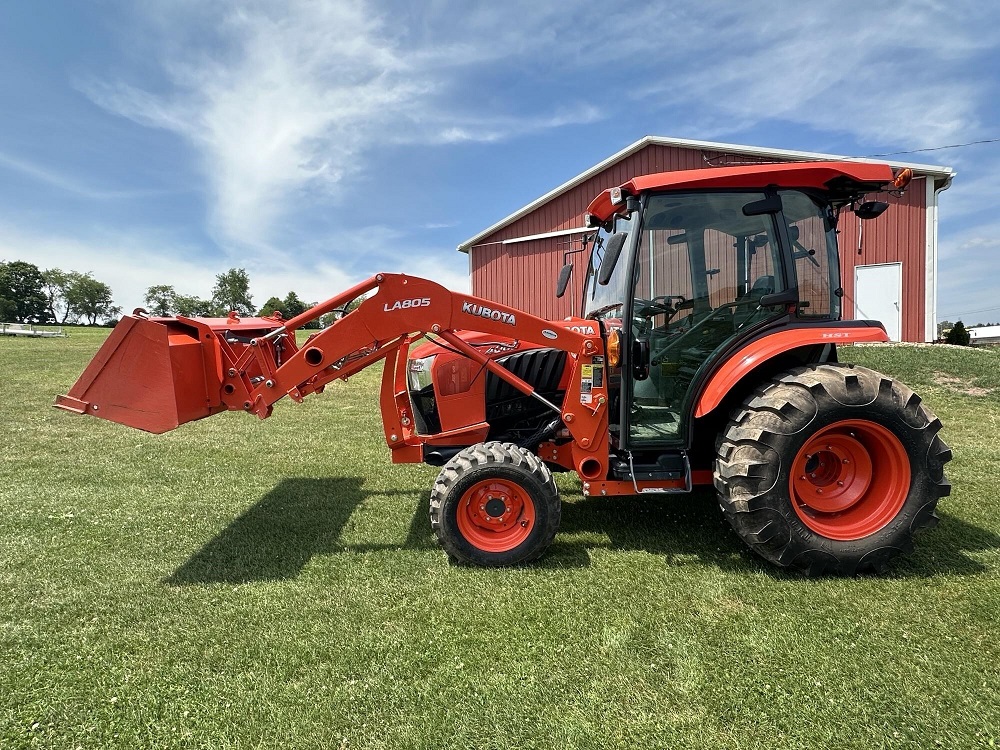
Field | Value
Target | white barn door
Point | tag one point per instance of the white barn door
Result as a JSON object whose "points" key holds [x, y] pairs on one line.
{"points": [[878, 295]]}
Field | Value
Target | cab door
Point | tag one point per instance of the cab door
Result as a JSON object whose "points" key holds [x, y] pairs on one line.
{"points": [[700, 269]]}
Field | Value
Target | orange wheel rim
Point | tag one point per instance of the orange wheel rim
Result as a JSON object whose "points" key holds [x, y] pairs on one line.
{"points": [[850, 479], [495, 515]]}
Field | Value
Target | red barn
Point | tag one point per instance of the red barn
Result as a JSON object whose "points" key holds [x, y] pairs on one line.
{"points": [[889, 264]]}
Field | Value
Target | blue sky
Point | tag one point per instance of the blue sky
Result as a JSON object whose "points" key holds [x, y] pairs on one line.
{"points": [[316, 143]]}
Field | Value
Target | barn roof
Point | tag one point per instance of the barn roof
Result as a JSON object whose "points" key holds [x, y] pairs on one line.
{"points": [[942, 174]]}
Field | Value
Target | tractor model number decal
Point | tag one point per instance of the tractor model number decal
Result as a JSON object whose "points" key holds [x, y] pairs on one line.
{"points": [[501, 348], [835, 335], [407, 304], [482, 311]]}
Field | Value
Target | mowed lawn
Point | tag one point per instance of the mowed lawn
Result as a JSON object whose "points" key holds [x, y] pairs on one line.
{"points": [[247, 583]]}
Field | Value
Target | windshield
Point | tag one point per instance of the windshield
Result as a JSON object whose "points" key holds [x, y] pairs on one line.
{"points": [[601, 301]]}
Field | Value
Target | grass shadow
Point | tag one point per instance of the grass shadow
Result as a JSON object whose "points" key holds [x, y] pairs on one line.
{"points": [[684, 529], [689, 529], [299, 518], [277, 536], [945, 549]]}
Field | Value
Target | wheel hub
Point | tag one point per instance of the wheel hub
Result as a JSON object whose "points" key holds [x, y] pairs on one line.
{"points": [[849, 479], [496, 515], [495, 507], [835, 475]]}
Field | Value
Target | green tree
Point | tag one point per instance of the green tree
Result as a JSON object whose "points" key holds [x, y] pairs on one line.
{"points": [[272, 305], [232, 292], [194, 307], [161, 300], [294, 306], [22, 289], [91, 299], [943, 327], [289, 307], [958, 335], [55, 282]]}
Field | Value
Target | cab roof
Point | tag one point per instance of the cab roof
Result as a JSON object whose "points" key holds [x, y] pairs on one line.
{"points": [[840, 177]]}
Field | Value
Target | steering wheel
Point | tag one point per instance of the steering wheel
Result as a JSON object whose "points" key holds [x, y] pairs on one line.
{"points": [[661, 305], [660, 354]]}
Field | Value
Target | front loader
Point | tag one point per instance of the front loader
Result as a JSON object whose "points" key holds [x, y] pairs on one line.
{"points": [[705, 353]]}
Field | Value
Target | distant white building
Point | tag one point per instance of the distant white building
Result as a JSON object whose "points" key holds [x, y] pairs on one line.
{"points": [[985, 335]]}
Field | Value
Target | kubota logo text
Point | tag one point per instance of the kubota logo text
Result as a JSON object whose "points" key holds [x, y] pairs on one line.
{"points": [[481, 311], [406, 304]]}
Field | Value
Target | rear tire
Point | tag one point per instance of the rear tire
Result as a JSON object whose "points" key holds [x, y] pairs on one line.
{"points": [[831, 469], [495, 504]]}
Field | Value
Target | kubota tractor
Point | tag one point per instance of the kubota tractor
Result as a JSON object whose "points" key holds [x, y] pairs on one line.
{"points": [[705, 353]]}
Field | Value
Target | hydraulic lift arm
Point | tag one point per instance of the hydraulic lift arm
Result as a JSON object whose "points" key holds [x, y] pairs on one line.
{"points": [[158, 373]]}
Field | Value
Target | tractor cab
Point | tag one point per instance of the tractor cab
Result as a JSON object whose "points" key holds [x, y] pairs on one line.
{"points": [[685, 277]]}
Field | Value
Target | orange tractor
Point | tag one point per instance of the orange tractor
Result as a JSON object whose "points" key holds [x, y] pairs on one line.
{"points": [[706, 353]]}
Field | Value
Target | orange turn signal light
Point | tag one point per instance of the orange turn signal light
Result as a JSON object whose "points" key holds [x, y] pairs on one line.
{"points": [[614, 349], [902, 178]]}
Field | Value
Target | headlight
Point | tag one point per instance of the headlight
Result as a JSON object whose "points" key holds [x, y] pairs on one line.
{"points": [[419, 373]]}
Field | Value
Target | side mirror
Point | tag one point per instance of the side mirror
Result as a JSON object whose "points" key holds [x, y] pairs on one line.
{"points": [[615, 244], [871, 209], [564, 273]]}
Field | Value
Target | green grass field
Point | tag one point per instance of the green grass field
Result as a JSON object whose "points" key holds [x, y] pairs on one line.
{"points": [[239, 583]]}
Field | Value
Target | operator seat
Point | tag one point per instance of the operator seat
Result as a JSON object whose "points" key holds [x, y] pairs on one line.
{"points": [[748, 304]]}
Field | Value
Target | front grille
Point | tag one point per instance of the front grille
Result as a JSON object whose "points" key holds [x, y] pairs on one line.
{"points": [[541, 368]]}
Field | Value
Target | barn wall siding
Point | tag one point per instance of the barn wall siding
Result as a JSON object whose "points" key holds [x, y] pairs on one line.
{"points": [[523, 274]]}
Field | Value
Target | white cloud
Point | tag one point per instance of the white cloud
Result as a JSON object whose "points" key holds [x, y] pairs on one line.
{"points": [[285, 103], [130, 264], [884, 73]]}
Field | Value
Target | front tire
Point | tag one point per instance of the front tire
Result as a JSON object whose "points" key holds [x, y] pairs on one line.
{"points": [[495, 504], [831, 469]]}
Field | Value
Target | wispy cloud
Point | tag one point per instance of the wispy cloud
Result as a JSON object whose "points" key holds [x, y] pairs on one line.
{"points": [[884, 73], [70, 184], [286, 107]]}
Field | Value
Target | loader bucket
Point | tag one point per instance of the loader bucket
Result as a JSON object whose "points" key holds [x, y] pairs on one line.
{"points": [[151, 374]]}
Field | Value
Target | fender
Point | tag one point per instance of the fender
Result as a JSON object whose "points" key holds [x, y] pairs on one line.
{"points": [[759, 351]]}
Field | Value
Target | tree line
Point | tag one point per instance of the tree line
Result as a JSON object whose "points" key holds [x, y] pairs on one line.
{"points": [[53, 296], [231, 293], [30, 295]]}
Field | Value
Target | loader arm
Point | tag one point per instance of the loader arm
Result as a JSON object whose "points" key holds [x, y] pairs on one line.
{"points": [[158, 373]]}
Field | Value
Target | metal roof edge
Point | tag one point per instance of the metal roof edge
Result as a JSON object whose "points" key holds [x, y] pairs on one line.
{"points": [[946, 174], [555, 192]]}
